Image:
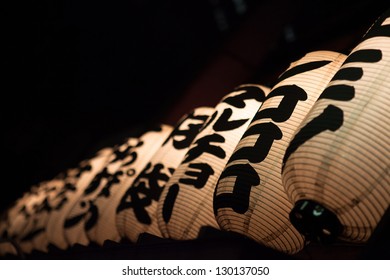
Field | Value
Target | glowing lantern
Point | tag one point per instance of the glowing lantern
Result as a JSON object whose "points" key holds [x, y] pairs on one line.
{"points": [[49, 198], [250, 198], [14, 219], [27, 219], [136, 212], [75, 184], [74, 226], [55, 198], [17, 216], [100, 223], [186, 202], [337, 166]]}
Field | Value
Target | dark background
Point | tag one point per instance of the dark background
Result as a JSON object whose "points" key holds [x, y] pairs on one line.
{"points": [[80, 74]]}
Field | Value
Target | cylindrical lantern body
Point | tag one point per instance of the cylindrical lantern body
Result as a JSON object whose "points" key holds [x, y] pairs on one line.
{"points": [[75, 186], [250, 198], [28, 225], [15, 218], [74, 226], [186, 202], [47, 219], [100, 223], [136, 212], [339, 157], [18, 215], [56, 198]]}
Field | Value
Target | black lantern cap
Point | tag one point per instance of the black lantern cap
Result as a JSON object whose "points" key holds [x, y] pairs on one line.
{"points": [[315, 222]]}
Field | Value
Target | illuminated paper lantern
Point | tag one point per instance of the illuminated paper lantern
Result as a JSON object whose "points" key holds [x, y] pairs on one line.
{"points": [[19, 216], [186, 202], [100, 224], [49, 197], [52, 197], [15, 217], [250, 198], [75, 184], [136, 212], [74, 226], [336, 169], [55, 198], [27, 220]]}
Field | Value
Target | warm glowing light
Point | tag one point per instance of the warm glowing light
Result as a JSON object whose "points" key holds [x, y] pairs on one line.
{"points": [[101, 223], [339, 157], [136, 212], [186, 202], [250, 198]]}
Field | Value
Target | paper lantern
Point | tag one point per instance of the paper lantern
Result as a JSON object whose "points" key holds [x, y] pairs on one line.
{"points": [[136, 212], [336, 169], [17, 216], [55, 199], [186, 202], [75, 184], [74, 226], [14, 219], [250, 198], [100, 223], [27, 220], [53, 196]]}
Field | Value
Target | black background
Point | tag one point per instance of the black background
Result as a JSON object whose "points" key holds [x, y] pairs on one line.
{"points": [[77, 74]]}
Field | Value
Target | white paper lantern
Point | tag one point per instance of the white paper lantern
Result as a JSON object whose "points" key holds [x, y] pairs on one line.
{"points": [[19, 219], [75, 184], [55, 199], [101, 224], [55, 196], [137, 211], [27, 221], [186, 202], [74, 226], [250, 198], [337, 166], [17, 216]]}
